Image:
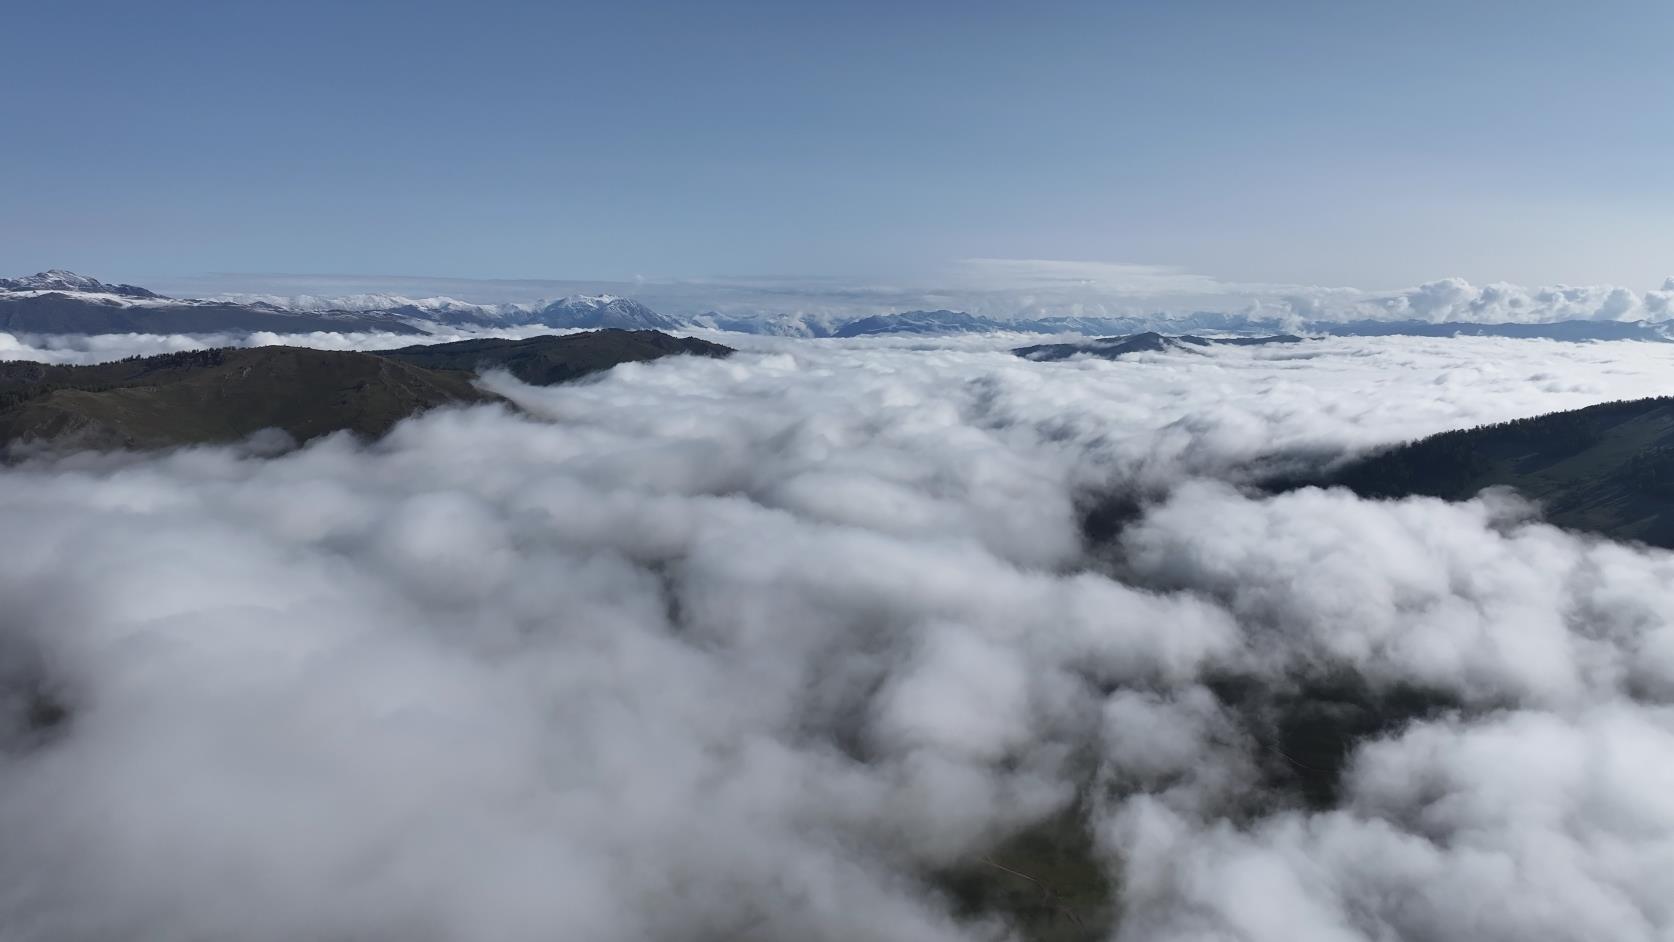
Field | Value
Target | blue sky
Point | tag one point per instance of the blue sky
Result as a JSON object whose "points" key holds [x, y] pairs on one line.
{"points": [[1375, 145]]}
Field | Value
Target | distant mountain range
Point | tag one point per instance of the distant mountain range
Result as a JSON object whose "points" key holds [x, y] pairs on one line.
{"points": [[228, 394], [1111, 348], [63, 302], [57, 279], [920, 322]]}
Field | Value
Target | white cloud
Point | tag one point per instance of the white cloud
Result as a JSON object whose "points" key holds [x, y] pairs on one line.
{"points": [[746, 648], [1454, 299]]}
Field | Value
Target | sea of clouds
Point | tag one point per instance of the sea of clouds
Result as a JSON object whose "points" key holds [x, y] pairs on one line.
{"points": [[749, 648]]}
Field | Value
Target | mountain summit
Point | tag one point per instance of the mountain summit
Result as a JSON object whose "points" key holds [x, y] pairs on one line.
{"points": [[57, 279], [603, 311]]}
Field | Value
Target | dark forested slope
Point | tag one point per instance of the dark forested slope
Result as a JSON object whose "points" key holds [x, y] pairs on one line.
{"points": [[546, 360], [1607, 468]]}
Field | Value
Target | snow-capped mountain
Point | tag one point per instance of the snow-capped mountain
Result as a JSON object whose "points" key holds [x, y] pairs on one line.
{"points": [[59, 280], [1113, 348], [920, 322], [63, 302], [945, 322], [604, 310], [579, 311], [438, 310], [772, 325]]}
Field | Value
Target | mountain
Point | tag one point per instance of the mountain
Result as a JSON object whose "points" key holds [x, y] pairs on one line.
{"points": [[64, 302], [602, 311], [1607, 469], [218, 395], [920, 322], [63, 313], [1185, 322], [61, 302], [589, 312], [228, 394], [941, 323], [438, 309], [543, 361], [772, 325], [1111, 348], [57, 279]]}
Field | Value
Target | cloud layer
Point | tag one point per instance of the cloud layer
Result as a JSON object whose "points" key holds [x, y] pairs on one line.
{"points": [[755, 648]]}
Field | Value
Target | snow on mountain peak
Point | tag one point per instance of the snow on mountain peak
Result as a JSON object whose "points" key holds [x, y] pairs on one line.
{"points": [[604, 310], [57, 276], [589, 300], [59, 279]]}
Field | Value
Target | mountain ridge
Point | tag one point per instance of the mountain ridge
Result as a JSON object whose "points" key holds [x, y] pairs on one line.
{"points": [[58, 279], [546, 360], [227, 394], [1111, 348], [1607, 468], [64, 302]]}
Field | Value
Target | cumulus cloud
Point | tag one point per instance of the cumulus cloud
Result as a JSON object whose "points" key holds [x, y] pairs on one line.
{"points": [[758, 648], [1455, 299]]}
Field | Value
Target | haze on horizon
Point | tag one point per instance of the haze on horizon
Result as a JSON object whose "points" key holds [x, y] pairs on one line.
{"points": [[1294, 143]]}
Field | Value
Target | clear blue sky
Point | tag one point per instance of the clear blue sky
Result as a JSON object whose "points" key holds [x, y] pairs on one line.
{"points": [[1372, 144]]}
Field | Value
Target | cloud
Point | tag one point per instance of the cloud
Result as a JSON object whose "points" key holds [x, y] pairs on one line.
{"points": [[756, 648], [1524, 825], [1454, 299]]}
